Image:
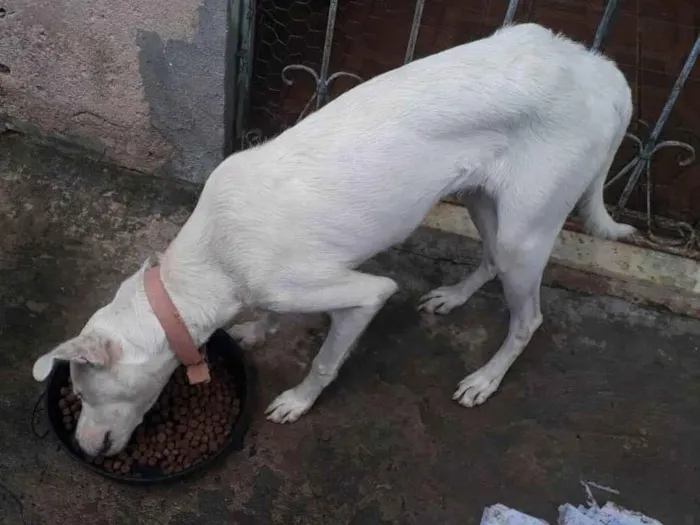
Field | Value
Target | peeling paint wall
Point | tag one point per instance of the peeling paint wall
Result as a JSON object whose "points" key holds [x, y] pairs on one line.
{"points": [[138, 83]]}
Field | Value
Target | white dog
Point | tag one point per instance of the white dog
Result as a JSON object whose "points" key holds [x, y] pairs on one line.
{"points": [[524, 124]]}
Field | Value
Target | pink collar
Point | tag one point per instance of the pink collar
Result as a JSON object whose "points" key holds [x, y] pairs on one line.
{"points": [[176, 332]]}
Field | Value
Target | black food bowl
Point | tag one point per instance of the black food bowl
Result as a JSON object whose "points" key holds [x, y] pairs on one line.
{"points": [[177, 427]]}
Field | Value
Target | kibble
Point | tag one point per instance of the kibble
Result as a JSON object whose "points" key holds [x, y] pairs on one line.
{"points": [[188, 424]]}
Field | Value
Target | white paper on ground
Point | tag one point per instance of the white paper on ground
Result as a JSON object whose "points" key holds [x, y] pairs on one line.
{"points": [[501, 515], [609, 514]]}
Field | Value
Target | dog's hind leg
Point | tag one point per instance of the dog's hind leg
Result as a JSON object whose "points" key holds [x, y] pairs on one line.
{"points": [[521, 280], [352, 299], [529, 220], [482, 210]]}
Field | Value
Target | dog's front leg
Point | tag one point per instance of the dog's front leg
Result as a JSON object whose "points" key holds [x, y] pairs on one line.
{"points": [[352, 299]]}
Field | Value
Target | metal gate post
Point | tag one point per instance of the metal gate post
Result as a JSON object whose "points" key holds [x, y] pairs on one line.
{"points": [[239, 69]]}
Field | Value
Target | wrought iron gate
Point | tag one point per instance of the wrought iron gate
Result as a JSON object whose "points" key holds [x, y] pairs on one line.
{"points": [[294, 56]]}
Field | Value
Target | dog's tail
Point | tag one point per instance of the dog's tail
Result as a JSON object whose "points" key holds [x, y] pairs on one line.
{"points": [[597, 220]]}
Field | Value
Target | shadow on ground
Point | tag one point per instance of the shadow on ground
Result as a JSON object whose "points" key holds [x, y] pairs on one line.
{"points": [[606, 391]]}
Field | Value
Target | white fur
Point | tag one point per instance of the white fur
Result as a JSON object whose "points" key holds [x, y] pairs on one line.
{"points": [[524, 124]]}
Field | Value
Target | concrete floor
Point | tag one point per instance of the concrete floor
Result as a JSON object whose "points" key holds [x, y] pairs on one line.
{"points": [[606, 391]]}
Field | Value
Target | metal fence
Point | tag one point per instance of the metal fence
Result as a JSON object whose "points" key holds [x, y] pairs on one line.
{"points": [[296, 55]]}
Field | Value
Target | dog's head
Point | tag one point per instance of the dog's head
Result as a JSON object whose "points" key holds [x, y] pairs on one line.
{"points": [[119, 364]]}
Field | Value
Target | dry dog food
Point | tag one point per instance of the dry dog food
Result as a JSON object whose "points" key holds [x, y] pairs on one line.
{"points": [[187, 424]]}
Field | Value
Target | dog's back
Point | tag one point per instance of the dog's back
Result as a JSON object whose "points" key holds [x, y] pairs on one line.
{"points": [[360, 174], [520, 72]]}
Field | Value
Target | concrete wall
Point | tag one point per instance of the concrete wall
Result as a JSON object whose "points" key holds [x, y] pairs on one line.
{"points": [[139, 83]]}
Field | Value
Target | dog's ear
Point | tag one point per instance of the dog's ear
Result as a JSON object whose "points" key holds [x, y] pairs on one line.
{"points": [[91, 348]]}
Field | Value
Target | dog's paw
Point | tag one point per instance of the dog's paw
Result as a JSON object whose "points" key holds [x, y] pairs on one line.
{"points": [[442, 300], [476, 388], [623, 231], [248, 334], [288, 407]]}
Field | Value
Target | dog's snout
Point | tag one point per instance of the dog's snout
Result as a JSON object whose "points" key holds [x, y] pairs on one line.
{"points": [[95, 450]]}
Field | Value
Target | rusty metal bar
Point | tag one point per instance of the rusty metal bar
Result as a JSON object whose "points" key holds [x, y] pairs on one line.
{"points": [[415, 29], [510, 12], [643, 160], [604, 24]]}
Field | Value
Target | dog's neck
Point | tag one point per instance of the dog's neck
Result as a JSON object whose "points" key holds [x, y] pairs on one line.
{"points": [[204, 295]]}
